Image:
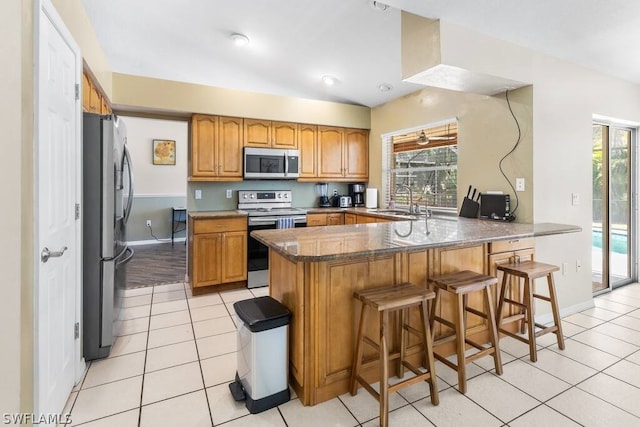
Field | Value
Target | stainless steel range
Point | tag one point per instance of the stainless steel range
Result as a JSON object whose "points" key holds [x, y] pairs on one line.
{"points": [[266, 210]]}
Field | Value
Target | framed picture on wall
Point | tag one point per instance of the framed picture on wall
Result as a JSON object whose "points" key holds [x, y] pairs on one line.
{"points": [[164, 152]]}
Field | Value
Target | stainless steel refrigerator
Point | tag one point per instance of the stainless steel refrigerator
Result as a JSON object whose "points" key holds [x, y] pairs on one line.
{"points": [[107, 200]]}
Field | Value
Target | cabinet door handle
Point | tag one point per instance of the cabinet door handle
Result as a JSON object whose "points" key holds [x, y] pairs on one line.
{"points": [[514, 241]]}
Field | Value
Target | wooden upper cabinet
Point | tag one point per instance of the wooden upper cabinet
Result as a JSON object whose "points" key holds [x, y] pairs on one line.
{"points": [[356, 153], [257, 133], [216, 147], [95, 100], [86, 92], [204, 131], [92, 99], [284, 135], [230, 146], [307, 144], [330, 140], [268, 134]]}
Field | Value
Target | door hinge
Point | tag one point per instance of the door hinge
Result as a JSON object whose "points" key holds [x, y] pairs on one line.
{"points": [[77, 91], [77, 211], [76, 330]]}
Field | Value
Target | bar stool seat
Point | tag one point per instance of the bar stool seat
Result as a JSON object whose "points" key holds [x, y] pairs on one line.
{"points": [[385, 300], [461, 284], [529, 271]]}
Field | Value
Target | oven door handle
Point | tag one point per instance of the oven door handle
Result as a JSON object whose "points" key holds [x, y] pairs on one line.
{"points": [[271, 220]]}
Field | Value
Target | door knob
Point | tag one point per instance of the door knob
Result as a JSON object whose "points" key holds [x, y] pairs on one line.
{"points": [[46, 253]]}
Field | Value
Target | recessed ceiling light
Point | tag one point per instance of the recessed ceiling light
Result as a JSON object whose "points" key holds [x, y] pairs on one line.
{"points": [[384, 87], [239, 39], [376, 5], [329, 80]]}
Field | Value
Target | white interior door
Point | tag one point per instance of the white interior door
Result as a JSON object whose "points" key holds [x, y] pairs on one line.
{"points": [[58, 229]]}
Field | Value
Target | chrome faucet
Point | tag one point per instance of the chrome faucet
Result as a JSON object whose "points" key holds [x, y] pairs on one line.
{"points": [[411, 206]]}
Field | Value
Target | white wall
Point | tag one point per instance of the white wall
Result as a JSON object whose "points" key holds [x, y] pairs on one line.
{"points": [[153, 179], [565, 98], [158, 188]]}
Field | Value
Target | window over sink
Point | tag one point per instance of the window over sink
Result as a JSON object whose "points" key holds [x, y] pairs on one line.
{"points": [[425, 159]]}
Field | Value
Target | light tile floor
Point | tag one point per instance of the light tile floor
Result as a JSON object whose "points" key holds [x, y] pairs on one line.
{"points": [[177, 353]]}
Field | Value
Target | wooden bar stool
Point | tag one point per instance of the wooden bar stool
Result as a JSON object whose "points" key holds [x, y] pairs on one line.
{"points": [[461, 284], [529, 271], [386, 300]]}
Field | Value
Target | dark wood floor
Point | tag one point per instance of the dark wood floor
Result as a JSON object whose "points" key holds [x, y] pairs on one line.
{"points": [[157, 264]]}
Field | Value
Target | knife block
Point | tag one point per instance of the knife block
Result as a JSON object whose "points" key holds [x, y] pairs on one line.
{"points": [[469, 208]]}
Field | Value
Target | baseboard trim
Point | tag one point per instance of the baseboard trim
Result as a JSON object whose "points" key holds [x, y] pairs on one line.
{"points": [[564, 312], [153, 242]]}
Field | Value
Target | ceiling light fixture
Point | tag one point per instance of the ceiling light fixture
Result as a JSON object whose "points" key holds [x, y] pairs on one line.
{"points": [[239, 39], [329, 80], [376, 5], [384, 87]]}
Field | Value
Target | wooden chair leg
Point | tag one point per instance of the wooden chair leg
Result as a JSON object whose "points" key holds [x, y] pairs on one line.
{"points": [[494, 334], [460, 343], [556, 312], [403, 341], [357, 357], [384, 370], [432, 313], [522, 296], [503, 291], [531, 327], [428, 354]]}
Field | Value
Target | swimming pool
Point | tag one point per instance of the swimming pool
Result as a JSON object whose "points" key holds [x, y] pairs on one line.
{"points": [[618, 240]]}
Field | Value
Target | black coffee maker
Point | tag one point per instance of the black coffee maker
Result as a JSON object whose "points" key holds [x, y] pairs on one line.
{"points": [[356, 191]]}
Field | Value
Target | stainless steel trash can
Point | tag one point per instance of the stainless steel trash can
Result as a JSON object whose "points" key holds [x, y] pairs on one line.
{"points": [[262, 375]]}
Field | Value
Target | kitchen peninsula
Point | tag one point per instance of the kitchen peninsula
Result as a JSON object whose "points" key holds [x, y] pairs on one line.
{"points": [[314, 272]]}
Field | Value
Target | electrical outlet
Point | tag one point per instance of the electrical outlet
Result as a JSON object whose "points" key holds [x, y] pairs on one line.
{"points": [[335, 192], [198, 194], [575, 199], [148, 223], [519, 184], [228, 194]]}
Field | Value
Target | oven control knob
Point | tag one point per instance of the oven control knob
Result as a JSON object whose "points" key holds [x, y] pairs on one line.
{"points": [[286, 196], [244, 196], [253, 196]]}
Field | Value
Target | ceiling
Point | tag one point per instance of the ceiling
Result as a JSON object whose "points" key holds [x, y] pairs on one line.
{"points": [[293, 43]]}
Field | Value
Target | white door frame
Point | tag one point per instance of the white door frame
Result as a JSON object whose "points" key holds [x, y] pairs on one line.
{"points": [[46, 7]]}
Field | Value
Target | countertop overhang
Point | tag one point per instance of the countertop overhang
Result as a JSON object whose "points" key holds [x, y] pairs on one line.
{"points": [[317, 244]]}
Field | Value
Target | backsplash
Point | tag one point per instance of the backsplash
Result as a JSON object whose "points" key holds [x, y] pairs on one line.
{"points": [[214, 193]]}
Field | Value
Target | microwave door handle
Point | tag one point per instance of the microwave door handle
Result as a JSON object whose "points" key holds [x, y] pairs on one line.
{"points": [[286, 164]]}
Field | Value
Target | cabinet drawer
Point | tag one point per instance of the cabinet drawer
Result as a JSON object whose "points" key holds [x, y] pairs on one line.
{"points": [[315, 220], [201, 226], [510, 245]]}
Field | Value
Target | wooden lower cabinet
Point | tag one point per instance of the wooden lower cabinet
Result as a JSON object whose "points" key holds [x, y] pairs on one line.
{"points": [[506, 252], [325, 314], [320, 219], [350, 218], [217, 251]]}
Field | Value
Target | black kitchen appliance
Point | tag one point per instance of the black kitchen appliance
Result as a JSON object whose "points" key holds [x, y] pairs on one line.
{"points": [[496, 207], [356, 191], [323, 190]]}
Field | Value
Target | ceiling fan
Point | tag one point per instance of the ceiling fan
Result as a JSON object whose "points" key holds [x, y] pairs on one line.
{"points": [[423, 139]]}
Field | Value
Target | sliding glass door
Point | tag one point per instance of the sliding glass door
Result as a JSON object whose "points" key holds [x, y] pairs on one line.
{"points": [[613, 210]]}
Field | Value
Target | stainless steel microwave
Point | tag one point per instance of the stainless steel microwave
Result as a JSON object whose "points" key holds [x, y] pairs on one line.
{"points": [[271, 163]]}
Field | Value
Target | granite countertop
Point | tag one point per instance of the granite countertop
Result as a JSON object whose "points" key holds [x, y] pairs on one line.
{"points": [[347, 241], [216, 214]]}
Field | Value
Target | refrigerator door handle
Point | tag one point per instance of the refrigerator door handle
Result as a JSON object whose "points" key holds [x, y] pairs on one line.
{"points": [[107, 309], [127, 211]]}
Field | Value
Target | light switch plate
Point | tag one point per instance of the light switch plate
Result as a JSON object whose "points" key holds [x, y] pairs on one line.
{"points": [[198, 194], [575, 199]]}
